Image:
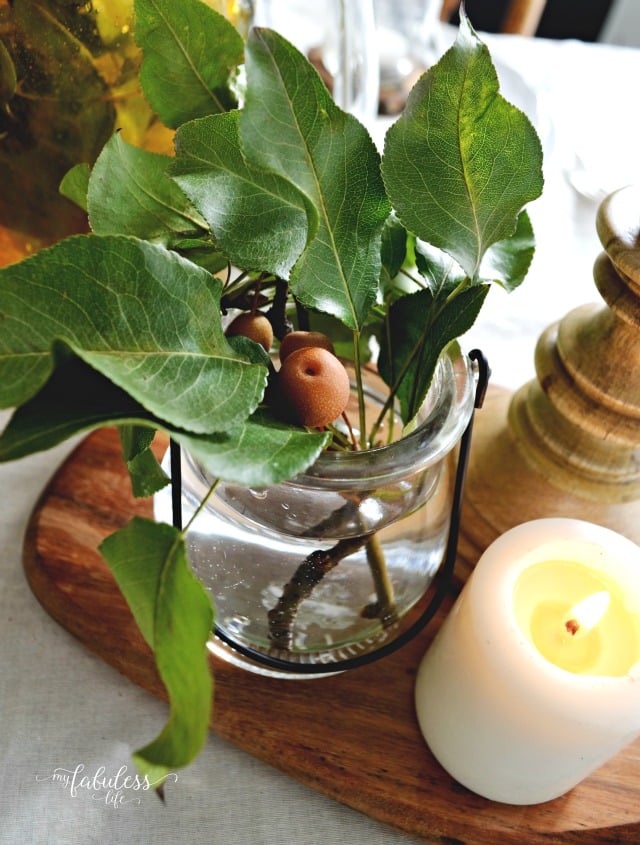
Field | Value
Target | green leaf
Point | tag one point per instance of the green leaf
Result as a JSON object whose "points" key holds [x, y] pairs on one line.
{"points": [[130, 194], [259, 219], [257, 452], [420, 327], [461, 162], [440, 272], [75, 399], [394, 249], [507, 262], [146, 474], [189, 52], [75, 185], [143, 316], [174, 614], [262, 451], [203, 253], [291, 125]]}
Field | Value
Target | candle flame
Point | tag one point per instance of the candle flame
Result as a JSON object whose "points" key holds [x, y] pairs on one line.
{"points": [[586, 614]]}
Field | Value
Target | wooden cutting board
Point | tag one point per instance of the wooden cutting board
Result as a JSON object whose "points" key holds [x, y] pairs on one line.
{"points": [[353, 737]]}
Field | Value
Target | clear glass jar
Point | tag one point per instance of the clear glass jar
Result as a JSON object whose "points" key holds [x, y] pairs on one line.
{"points": [[336, 561]]}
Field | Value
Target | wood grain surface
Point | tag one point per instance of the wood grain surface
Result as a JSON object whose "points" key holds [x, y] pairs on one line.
{"points": [[353, 737]]}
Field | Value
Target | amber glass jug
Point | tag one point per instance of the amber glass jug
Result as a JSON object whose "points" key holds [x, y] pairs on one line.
{"points": [[68, 79]]}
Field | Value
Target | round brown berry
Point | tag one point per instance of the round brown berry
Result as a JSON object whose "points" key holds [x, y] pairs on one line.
{"points": [[300, 340], [314, 386], [254, 326]]}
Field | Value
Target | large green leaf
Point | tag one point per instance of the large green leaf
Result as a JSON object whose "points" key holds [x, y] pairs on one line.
{"points": [[461, 162], [75, 399], [507, 262], [257, 452], [261, 451], [291, 125], [143, 316], [130, 194], [259, 219], [420, 327], [174, 614], [189, 52]]}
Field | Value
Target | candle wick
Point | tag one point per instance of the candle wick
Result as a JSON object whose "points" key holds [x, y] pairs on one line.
{"points": [[572, 626]]}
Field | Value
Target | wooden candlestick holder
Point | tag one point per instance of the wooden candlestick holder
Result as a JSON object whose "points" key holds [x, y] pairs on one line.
{"points": [[568, 442]]}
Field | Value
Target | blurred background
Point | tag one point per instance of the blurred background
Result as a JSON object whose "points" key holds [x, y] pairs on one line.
{"points": [[611, 21]]}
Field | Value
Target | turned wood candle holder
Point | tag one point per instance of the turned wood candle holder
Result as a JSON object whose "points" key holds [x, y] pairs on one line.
{"points": [[568, 442]]}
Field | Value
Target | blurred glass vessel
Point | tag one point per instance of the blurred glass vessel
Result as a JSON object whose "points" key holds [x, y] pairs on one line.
{"points": [[409, 42], [339, 37]]}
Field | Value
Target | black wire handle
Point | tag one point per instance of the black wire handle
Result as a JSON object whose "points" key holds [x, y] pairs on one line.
{"points": [[444, 577]]}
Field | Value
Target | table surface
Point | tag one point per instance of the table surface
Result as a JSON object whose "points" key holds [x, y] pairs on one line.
{"points": [[62, 709]]}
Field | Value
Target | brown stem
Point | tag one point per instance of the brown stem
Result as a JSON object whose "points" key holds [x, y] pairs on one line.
{"points": [[277, 314], [303, 316], [310, 572]]}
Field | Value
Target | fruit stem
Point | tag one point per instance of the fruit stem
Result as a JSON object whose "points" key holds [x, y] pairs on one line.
{"points": [[277, 313], [201, 506], [302, 316]]}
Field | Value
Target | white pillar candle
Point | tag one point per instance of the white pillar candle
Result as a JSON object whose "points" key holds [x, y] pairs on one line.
{"points": [[527, 687]]}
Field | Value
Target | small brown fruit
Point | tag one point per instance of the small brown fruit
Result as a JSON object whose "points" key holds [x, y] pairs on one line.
{"points": [[254, 326], [314, 386], [300, 340]]}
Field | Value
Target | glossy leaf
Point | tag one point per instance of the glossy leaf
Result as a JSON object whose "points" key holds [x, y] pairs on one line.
{"points": [[146, 474], [74, 400], [261, 451], [438, 270], [139, 314], [291, 125], [174, 614], [130, 194], [75, 185], [420, 327], [461, 162], [77, 399], [204, 253], [507, 262], [188, 53], [393, 251], [259, 219]]}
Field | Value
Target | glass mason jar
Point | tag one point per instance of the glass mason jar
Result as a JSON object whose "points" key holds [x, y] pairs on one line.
{"points": [[68, 80], [336, 561]]}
